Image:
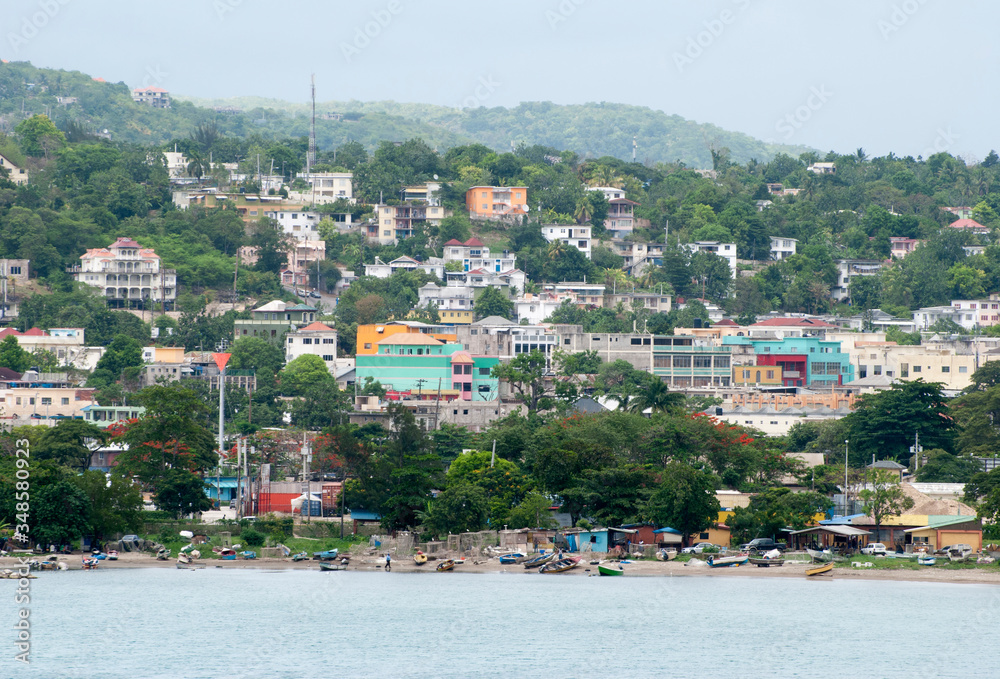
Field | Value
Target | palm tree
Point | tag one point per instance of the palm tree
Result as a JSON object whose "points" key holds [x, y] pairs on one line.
{"points": [[197, 165], [584, 208], [658, 397], [556, 250]]}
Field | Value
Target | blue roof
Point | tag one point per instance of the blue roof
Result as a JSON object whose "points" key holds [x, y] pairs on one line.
{"points": [[364, 515], [841, 520], [672, 531]]}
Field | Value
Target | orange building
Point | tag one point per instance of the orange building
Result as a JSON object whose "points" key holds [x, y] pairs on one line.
{"points": [[496, 202], [369, 336]]}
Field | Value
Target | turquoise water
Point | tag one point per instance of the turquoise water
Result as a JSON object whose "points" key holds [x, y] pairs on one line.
{"points": [[304, 624]]}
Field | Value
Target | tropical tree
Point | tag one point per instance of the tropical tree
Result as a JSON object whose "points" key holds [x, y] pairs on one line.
{"points": [[656, 395], [883, 497], [684, 500], [525, 374]]}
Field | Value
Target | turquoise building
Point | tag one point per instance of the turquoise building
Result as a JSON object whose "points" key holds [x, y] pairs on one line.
{"points": [[804, 361], [425, 367]]}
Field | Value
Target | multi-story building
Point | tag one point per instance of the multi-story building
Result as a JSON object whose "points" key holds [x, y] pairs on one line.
{"points": [[900, 247], [638, 256], [380, 269], [454, 303], [272, 320], [584, 294], [972, 313], [481, 278], [725, 250], [925, 317], [621, 211], [970, 226], [803, 361], [428, 193], [497, 202], [16, 174], [423, 366], [316, 339], [128, 275], [396, 222], [782, 248], [369, 336], [297, 223], [822, 168], [576, 236], [505, 339], [653, 301], [951, 365], [474, 254], [41, 398], [325, 187], [157, 97], [105, 416], [849, 269]]}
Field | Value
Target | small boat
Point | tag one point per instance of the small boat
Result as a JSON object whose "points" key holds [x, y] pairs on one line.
{"points": [[327, 555], [821, 556], [189, 566], [513, 557], [247, 555], [183, 558], [539, 560], [228, 555], [301, 556], [327, 566], [926, 560], [764, 562], [446, 565], [608, 569], [420, 558], [163, 554], [112, 555], [560, 566], [8, 574], [666, 554], [90, 564], [728, 561], [99, 555], [960, 553], [825, 569]]}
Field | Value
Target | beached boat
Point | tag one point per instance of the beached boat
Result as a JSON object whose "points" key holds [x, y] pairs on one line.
{"points": [[420, 558], [8, 574], [666, 554], [609, 569], [825, 569], [446, 565], [328, 566], [301, 556], [765, 562], [189, 566], [926, 560], [821, 556], [539, 560], [228, 555], [327, 555], [248, 555], [112, 555], [960, 553], [560, 566], [163, 554], [513, 557], [90, 564], [728, 561]]}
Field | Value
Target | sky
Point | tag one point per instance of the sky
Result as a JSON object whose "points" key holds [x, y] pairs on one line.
{"points": [[906, 76]]}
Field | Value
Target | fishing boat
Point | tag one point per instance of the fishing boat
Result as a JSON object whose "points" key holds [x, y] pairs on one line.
{"points": [[90, 564], [301, 556], [327, 555], [539, 560], [248, 555], [420, 558], [825, 569], [960, 553], [610, 569], [765, 562], [446, 565], [926, 560], [328, 566], [163, 554], [821, 556], [513, 557], [666, 554], [728, 561], [112, 555], [228, 554], [560, 566]]}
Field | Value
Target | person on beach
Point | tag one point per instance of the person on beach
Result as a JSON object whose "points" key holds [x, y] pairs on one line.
{"points": [[388, 561]]}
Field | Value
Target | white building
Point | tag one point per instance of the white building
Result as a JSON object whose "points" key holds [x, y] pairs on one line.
{"points": [[157, 97], [382, 270], [297, 223], [725, 250], [621, 211], [15, 174], [577, 236], [325, 188], [396, 222], [473, 254], [128, 275], [638, 256], [925, 317], [822, 168], [970, 313], [177, 164], [480, 278], [447, 298], [536, 308], [782, 248], [316, 339], [849, 269]]}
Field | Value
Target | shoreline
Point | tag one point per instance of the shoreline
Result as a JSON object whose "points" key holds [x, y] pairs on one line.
{"points": [[979, 576]]}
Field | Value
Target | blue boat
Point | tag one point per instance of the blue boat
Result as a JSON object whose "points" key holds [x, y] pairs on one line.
{"points": [[248, 555], [327, 555], [513, 557], [728, 561]]}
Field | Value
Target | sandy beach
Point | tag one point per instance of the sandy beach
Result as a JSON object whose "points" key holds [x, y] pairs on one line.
{"points": [[981, 575]]}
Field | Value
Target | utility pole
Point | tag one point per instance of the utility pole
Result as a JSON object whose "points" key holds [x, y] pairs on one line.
{"points": [[306, 458], [846, 444]]}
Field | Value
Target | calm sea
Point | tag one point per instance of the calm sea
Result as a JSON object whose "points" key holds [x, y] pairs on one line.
{"points": [[307, 624]]}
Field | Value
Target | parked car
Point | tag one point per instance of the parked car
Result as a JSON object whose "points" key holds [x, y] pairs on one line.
{"points": [[762, 545], [700, 548], [874, 548], [313, 293]]}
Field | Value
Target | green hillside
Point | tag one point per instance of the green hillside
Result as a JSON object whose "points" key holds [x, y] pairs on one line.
{"points": [[590, 130]]}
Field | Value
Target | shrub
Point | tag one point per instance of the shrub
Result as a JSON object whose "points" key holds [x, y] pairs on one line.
{"points": [[252, 538]]}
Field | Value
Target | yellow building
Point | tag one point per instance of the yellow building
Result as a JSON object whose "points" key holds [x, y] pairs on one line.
{"points": [[757, 374], [369, 336], [453, 317]]}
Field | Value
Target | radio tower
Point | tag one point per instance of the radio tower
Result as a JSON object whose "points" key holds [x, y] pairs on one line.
{"points": [[311, 154]]}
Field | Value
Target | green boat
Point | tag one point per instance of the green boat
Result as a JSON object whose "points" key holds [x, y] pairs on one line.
{"points": [[609, 569]]}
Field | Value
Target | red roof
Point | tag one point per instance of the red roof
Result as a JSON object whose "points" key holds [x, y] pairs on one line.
{"points": [[793, 323], [728, 322], [316, 326], [124, 243], [454, 241], [473, 242], [9, 331], [8, 375], [36, 332], [966, 224]]}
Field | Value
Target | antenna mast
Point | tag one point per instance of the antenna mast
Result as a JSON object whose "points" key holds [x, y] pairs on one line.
{"points": [[311, 155]]}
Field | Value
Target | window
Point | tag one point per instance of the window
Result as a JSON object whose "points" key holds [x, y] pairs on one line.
{"points": [[721, 361], [702, 361], [963, 368], [456, 386], [704, 536], [484, 372], [877, 370], [746, 374], [637, 341], [916, 368], [368, 345], [307, 340], [291, 341], [664, 362], [327, 357], [904, 369], [582, 244], [65, 401], [682, 361], [946, 368], [467, 369], [467, 387], [328, 340], [770, 374]]}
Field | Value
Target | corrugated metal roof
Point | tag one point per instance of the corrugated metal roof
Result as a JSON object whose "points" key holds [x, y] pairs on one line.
{"points": [[846, 531]]}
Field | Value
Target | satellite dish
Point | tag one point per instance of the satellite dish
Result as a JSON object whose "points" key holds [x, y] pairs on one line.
{"points": [[526, 207], [435, 176]]}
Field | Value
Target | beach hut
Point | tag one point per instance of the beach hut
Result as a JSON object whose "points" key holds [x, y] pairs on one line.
{"points": [[942, 531], [841, 537], [668, 537]]}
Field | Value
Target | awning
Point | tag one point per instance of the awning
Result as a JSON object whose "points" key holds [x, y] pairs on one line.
{"points": [[672, 531], [844, 531]]}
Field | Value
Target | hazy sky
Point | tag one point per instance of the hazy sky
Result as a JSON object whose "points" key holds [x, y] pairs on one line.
{"points": [[909, 76]]}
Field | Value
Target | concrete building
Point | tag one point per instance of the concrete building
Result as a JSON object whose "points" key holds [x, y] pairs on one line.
{"points": [[970, 226], [157, 97], [16, 174], [822, 168], [653, 301], [369, 336], [973, 313], [725, 250], [901, 247], [782, 248], [638, 256], [803, 361], [316, 339], [576, 236], [41, 398], [105, 416], [272, 320], [325, 188], [505, 339], [621, 211], [497, 202], [380, 269], [397, 222], [128, 275], [298, 224], [849, 269], [448, 298], [474, 254]]}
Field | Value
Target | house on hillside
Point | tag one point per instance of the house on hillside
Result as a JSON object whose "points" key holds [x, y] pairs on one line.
{"points": [[157, 97], [16, 174]]}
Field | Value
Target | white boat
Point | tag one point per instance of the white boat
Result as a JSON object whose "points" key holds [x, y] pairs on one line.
{"points": [[960, 552], [666, 554], [817, 555]]}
